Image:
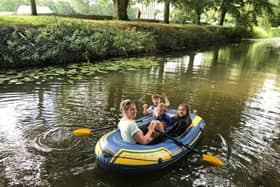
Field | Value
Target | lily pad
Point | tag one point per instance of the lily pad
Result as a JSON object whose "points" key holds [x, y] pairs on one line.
{"points": [[76, 71], [13, 81], [27, 79], [60, 71]]}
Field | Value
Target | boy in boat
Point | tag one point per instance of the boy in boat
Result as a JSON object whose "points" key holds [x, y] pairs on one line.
{"points": [[156, 99], [161, 120]]}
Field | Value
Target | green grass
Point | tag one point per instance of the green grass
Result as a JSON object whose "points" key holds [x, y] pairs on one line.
{"points": [[275, 32], [259, 32], [141, 25]]}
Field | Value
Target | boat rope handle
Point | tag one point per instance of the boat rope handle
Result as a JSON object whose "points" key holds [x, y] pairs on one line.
{"points": [[107, 154]]}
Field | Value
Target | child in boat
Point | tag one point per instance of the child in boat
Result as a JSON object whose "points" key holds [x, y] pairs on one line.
{"points": [[182, 120], [156, 99], [161, 120]]}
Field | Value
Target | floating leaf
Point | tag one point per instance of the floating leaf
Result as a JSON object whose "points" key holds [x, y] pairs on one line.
{"points": [[70, 81], [73, 66], [76, 71], [13, 81], [60, 71], [72, 71], [27, 79]]}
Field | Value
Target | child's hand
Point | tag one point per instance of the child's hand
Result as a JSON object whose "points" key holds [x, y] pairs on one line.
{"points": [[164, 94], [145, 106], [151, 127]]}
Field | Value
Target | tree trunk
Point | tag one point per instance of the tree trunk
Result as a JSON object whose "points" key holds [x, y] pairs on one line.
{"points": [[223, 12], [197, 19], [166, 11], [33, 8], [120, 9]]}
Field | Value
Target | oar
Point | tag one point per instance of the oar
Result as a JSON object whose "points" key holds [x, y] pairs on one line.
{"points": [[88, 131], [208, 158]]}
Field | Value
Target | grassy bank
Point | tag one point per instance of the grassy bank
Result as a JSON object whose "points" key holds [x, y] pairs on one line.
{"points": [[44, 40], [262, 33]]}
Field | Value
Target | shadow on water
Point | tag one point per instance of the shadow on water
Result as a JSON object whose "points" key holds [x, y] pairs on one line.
{"points": [[166, 177]]}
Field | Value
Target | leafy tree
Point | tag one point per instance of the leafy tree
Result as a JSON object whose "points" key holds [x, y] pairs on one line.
{"points": [[195, 8], [244, 11], [81, 6], [275, 20], [48, 3], [8, 5], [251, 10], [102, 7], [228, 6], [64, 7]]}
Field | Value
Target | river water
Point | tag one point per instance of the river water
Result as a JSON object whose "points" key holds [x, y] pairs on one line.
{"points": [[235, 88]]}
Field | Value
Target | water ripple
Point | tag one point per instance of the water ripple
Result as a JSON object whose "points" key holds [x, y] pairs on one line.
{"points": [[56, 139], [258, 130]]}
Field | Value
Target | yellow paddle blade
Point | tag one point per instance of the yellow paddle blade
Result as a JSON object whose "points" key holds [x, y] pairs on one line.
{"points": [[213, 160], [82, 132]]}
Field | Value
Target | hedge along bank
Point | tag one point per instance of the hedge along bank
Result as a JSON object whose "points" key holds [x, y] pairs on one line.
{"points": [[62, 41]]}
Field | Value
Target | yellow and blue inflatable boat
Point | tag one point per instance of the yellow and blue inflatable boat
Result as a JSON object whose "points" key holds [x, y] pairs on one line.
{"points": [[114, 154]]}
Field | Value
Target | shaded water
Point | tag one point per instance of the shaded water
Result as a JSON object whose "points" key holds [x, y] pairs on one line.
{"points": [[234, 88]]}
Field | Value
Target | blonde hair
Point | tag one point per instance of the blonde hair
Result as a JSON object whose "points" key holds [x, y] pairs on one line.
{"points": [[162, 105], [125, 104]]}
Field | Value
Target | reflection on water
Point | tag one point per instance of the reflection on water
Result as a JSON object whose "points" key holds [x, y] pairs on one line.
{"points": [[253, 140], [234, 88]]}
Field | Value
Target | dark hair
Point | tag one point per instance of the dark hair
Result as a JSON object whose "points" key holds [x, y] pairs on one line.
{"points": [[125, 104], [156, 96], [186, 106]]}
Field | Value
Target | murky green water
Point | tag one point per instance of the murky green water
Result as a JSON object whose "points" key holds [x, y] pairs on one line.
{"points": [[236, 89]]}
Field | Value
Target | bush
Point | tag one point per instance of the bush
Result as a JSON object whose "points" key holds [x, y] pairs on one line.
{"points": [[51, 40], [70, 42]]}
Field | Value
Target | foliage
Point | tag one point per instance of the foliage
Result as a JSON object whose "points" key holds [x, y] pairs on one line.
{"points": [[243, 13], [59, 7], [80, 6], [8, 5], [48, 40], [180, 16], [275, 32], [102, 7], [70, 42], [194, 8]]}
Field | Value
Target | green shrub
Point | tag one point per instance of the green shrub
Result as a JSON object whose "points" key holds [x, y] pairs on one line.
{"points": [[68, 42], [45, 40]]}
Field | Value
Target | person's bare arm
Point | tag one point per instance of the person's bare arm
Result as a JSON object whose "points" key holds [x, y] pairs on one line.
{"points": [[166, 100], [173, 116], [145, 109], [144, 139]]}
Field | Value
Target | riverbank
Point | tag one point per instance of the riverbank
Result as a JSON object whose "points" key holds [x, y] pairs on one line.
{"points": [[47, 40]]}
